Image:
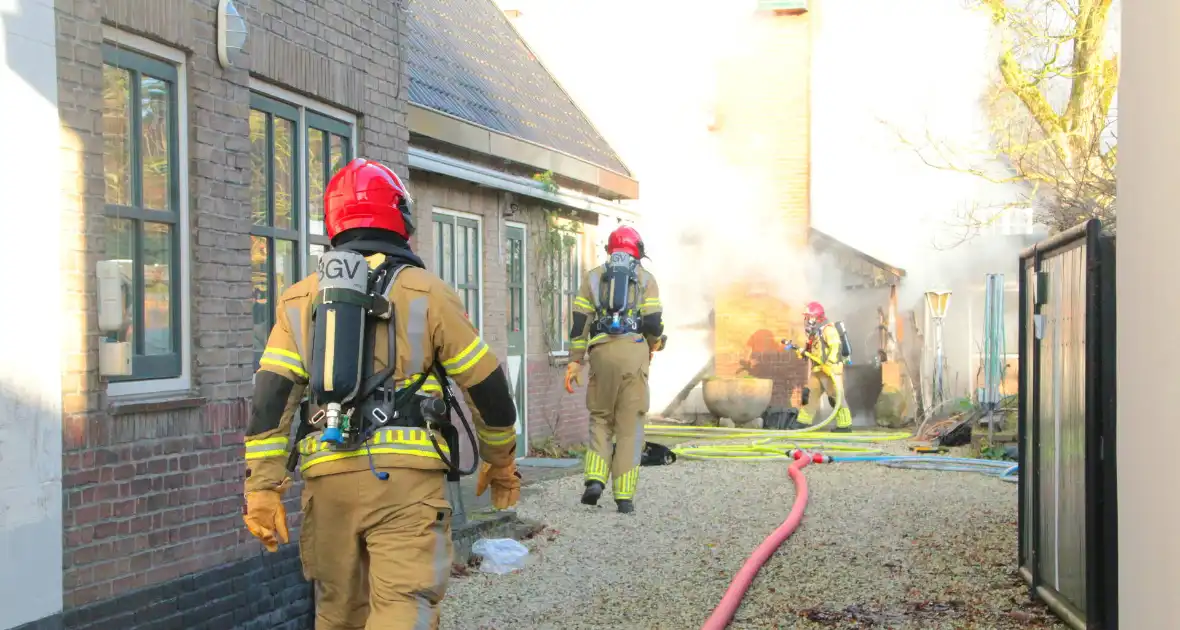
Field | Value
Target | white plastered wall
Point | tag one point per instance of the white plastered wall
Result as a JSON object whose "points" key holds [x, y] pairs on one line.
{"points": [[31, 321], [1148, 303]]}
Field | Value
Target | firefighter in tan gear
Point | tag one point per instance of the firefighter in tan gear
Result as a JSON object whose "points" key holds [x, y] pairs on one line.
{"points": [[376, 535], [617, 321], [826, 360]]}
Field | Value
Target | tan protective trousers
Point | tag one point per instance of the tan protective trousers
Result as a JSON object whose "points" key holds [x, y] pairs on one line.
{"points": [[823, 386], [617, 397], [379, 551]]}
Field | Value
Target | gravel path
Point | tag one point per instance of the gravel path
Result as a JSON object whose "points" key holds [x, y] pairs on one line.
{"points": [[878, 547]]}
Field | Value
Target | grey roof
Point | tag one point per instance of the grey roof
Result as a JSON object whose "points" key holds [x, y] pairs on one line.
{"points": [[878, 272], [467, 60]]}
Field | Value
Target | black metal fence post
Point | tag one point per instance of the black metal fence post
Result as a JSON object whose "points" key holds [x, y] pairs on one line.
{"points": [[1062, 295]]}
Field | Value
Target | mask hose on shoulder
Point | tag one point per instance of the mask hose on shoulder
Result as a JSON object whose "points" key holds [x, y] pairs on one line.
{"points": [[437, 412]]}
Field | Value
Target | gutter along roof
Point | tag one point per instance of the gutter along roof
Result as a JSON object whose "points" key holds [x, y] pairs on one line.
{"points": [[474, 83], [871, 269]]}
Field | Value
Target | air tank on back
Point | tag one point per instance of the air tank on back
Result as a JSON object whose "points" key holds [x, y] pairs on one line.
{"points": [[337, 345]]}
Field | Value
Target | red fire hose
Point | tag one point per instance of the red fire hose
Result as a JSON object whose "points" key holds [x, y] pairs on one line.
{"points": [[725, 611]]}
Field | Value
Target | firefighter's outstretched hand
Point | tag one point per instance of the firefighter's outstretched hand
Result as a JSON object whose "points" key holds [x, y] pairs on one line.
{"points": [[266, 518], [504, 482], [573, 374]]}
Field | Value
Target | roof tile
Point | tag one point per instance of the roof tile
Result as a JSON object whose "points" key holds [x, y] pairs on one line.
{"points": [[467, 60]]}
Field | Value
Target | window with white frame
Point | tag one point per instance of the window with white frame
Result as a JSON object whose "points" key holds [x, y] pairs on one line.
{"points": [[566, 270], [143, 212], [294, 151], [457, 249]]}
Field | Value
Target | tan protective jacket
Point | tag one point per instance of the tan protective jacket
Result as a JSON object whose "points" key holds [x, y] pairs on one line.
{"points": [[430, 319], [647, 303]]}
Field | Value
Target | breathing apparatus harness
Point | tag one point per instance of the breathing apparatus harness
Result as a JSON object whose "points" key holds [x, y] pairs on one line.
{"points": [[815, 334], [354, 401], [618, 291]]}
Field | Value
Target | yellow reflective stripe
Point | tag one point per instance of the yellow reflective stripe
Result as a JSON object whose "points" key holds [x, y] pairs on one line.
{"points": [[270, 440], [375, 450], [651, 302], [431, 385], [266, 447], [578, 343], [297, 370], [470, 363], [387, 441], [250, 455], [311, 445], [498, 437], [284, 353], [583, 303], [624, 487], [283, 359], [596, 467], [458, 358]]}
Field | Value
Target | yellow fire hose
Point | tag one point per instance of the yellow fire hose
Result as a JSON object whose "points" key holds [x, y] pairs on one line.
{"points": [[773, 444]]}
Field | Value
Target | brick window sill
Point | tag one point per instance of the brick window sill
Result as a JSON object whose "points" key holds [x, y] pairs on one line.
{"points": [[154, 403]]}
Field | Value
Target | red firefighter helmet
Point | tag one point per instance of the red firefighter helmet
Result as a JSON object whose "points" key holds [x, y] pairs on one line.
{"points": [[625, 239], [366, 194], [814, 313]]}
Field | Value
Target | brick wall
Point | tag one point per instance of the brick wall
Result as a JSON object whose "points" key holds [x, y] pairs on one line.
{"points": [[553, 413], [749, 328], [765, 131], [150, 497], [152, 488], [263, 593]]}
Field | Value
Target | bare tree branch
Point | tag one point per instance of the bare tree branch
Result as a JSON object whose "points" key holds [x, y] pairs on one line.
{"points": [[1063, 161]]}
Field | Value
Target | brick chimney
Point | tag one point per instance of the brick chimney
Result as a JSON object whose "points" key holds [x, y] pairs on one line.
{"points": [[764, 130]]}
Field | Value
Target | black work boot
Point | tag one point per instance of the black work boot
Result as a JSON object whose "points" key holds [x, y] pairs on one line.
{"points": [[842, 430], [626, 506], [593, 492]]}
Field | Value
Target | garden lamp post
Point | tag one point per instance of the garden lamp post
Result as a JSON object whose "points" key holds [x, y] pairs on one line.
{"points": [[938, 302]]}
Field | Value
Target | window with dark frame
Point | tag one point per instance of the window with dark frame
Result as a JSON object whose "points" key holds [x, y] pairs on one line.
{"points": [[456, 259], [567, 270], [288, 220], [140, 121], [329, 148]]}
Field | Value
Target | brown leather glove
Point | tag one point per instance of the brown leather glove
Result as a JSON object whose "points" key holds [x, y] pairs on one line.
{"points": [[265, 516], [659, 343], [505, 484], [573, 374]]}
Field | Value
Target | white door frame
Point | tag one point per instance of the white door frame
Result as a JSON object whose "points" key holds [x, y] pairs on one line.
{"points": [[524, 324]]}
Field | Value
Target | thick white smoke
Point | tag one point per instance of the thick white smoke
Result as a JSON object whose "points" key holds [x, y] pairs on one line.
{"points": [[914, 67]]}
